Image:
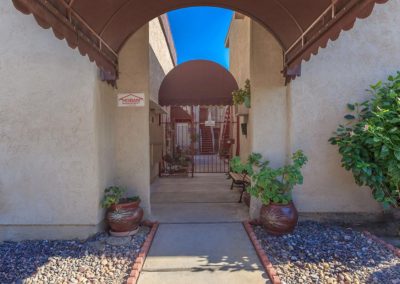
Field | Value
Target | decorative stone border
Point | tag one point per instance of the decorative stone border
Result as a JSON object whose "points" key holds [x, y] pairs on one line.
{"points": [[390, 247], [261, 253], [138, 264]]}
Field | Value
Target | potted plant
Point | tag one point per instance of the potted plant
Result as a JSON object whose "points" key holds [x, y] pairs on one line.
{"points": [[274, 187], [180, 162], [370, 143], [238, 167], [242, 96], [123, 213]]}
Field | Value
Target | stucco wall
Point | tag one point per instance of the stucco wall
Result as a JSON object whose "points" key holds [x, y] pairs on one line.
{"points": [[268, 119], [160, 63], [132, 136], [160, 58], [156, 144], [63, 138], [304, 114], [105, 110], [337, 75], [49, 148], [239, 66]]}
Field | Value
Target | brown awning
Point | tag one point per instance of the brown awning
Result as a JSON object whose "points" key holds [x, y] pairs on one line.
{"points": [[197, 82], [178, 114], [99, 28]]}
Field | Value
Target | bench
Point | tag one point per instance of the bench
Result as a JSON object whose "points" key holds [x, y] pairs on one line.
{"points": [[242, 180]]}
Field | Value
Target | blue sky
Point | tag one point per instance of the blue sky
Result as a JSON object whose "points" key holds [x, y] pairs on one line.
{"points": [[199, 33]]}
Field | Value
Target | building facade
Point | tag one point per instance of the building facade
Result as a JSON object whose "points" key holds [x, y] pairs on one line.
{"points": [[63, 139]]}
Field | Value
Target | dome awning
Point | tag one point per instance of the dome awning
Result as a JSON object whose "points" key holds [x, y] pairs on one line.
{"points": [[99, 28], [197, 82]]}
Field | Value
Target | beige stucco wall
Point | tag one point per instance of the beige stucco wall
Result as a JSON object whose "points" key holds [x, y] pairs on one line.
{"points": [[62, 137], [156, 144], [160, 63], [304, 114], [50, 173], [337, 75], [144, 62], [160, 58], [132, 123], [239, 66], [105, 115], [268, 119]]}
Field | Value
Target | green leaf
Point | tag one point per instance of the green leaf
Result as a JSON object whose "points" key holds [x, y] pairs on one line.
{"points": [[384, 151], [349, 116], [397, 154], [351, 107]]}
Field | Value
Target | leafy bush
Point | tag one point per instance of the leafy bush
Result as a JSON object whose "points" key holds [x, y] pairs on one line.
{"points": [[370, 142], [242, 96], [276, 185], [113, 195], [237, 166]]}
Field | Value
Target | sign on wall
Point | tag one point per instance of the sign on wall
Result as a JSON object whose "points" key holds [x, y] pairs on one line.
{"points": [[131, 100]]}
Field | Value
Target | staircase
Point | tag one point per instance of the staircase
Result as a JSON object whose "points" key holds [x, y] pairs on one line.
{"points": [[206, 146], [226, 132], [206, 142]]}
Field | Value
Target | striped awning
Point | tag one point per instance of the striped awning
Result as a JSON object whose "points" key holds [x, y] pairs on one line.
{"points": [[99, 28]]}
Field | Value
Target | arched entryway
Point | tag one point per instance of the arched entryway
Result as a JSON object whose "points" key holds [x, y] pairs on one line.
{"points": [[198, 126]]}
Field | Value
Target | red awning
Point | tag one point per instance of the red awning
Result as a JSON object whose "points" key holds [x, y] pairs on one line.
{"points": [[197, 82], [99, 28]]}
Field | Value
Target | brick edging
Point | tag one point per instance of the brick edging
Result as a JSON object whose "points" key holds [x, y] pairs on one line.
{"points": [[139, 261], [261, 254], [390, 247]]}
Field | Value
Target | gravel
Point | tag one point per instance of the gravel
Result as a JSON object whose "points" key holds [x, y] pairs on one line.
{"points": [[100, 259], [323, 253]]}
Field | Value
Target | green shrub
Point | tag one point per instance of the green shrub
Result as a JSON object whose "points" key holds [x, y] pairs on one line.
{"points": [[276, 185], [237, 166], [112, 195], [370, 141], [242, 96]]}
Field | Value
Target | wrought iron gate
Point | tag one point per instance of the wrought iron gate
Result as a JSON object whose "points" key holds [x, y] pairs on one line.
{"points": [[199, 141]]}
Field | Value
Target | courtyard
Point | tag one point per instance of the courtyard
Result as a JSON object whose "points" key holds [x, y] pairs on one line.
{"points": [[199, 141]]}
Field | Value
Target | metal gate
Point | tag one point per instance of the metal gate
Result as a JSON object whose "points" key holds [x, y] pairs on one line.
{"points": [[198, 140]]}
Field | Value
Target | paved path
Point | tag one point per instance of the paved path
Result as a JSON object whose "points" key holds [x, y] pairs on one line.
{"points": [[201, 238], [204, 198]]}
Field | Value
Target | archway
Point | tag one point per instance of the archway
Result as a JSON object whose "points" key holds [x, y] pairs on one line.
{"points": [[301, 27], [199, 123]]}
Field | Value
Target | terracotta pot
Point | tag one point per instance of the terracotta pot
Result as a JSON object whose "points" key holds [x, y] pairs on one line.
{"points": [[278, 219], [246, 198], [124, 217], [125, 205]]}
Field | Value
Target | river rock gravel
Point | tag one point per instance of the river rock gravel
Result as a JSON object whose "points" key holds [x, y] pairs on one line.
{"points": [[324, 253], [100, 259]]}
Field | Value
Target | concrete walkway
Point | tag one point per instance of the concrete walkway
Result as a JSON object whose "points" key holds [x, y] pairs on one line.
{"points": [[202, 199], [201, 238]]}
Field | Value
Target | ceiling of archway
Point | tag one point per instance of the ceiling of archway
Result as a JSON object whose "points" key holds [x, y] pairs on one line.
{"points": [[99, 28]]}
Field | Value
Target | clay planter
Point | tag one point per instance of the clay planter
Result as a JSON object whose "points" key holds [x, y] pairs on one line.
{"points": [[124, 217], [124, 204], [278, 219]]}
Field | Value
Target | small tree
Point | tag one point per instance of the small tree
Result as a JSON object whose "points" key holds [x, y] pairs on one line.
{"points": [[370, 141]]}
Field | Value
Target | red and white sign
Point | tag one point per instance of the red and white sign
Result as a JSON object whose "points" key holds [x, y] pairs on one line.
{"points": [[131, 100]]}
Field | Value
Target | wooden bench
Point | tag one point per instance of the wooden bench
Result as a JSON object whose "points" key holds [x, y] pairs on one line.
{"points": [[242, 180]]}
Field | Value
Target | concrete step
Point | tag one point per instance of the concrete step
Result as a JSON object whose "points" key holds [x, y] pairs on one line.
{"points": [[199, 212], [205, 196]]}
